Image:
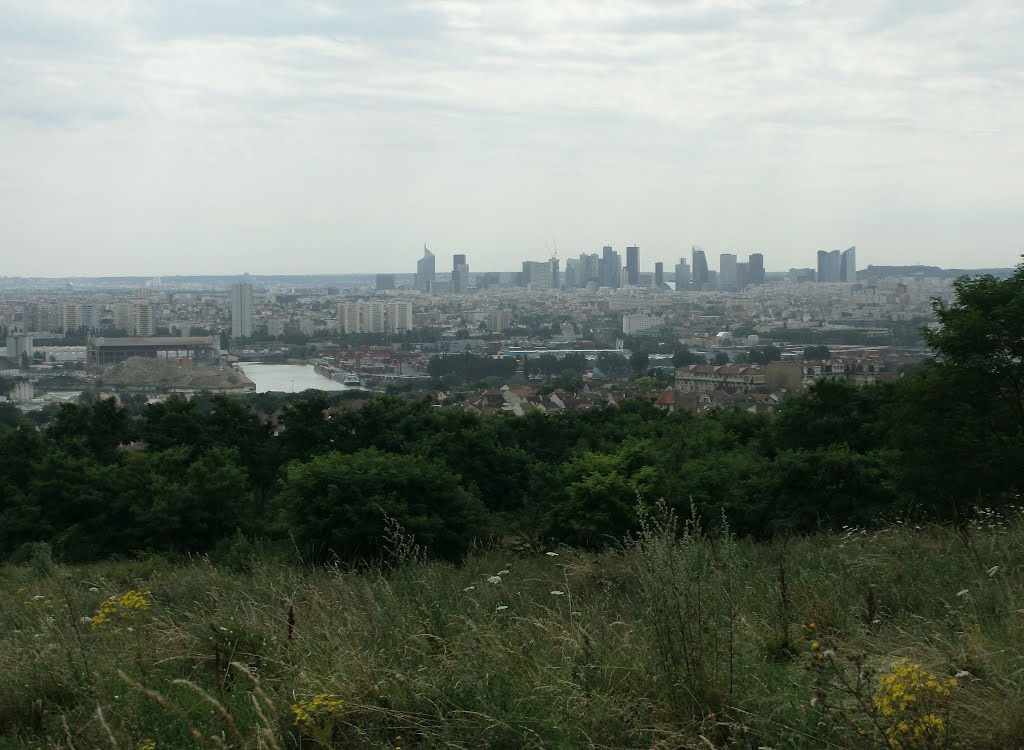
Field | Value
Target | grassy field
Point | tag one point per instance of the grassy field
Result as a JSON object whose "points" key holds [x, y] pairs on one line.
{"points": [[898, 638]]}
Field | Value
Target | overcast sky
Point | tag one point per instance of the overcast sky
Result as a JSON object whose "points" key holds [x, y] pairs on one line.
{"points": [[314, 136]]}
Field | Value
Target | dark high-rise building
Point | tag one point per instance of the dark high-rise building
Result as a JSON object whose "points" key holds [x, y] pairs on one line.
{"points": [[829, 265], [570, 274], [727, 272], [536, 274], [460, 274], [385, 281], [700, 268], [755, 262], [633, 265], [848, 265], [555, 272], [611, 268], [682, 275], [588, 269], [659, 274], [742, 276], [425, 271]]}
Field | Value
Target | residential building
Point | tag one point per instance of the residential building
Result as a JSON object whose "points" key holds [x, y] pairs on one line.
{"points": [[80, 316], [124, 318], [349, 317], [743, 378], [372, 314], [399, 317], [497, 320], [144, 319], [241, 310], [634, 323]]}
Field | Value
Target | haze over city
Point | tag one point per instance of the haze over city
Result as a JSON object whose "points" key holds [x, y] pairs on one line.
{"points": [[219, 137]]}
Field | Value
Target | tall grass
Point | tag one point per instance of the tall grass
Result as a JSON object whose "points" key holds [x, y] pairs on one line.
{"points": [[678, 639]]}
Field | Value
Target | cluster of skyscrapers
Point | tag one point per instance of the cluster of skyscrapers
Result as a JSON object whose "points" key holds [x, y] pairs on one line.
{"points": [[732, 275], [606, 269]]}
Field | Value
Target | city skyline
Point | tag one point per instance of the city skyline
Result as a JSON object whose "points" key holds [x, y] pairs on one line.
{"points": [[160, 139]]}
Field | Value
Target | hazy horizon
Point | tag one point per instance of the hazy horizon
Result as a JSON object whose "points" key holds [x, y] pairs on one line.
{"points": [[315, 137]]}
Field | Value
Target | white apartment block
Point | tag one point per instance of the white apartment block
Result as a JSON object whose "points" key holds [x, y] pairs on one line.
{"points": [[373, 316], [77, 316], [399, 317], [498, 320], [636, 322], [348, 317]]}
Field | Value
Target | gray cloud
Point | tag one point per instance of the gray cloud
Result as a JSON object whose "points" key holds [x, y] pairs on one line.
{"points": [[591, 121]]}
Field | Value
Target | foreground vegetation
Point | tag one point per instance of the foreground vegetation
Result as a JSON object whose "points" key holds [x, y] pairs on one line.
{"points": [[898, 638]]}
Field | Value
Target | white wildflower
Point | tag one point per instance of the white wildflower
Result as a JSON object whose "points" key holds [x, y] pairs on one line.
{"points": [[963, 592], [814, 702], [494, 579], [556, 592], [962, 673], [551, 554], [503, 572], [37, 597], [85, 620], [93, 589], [502, 607]]}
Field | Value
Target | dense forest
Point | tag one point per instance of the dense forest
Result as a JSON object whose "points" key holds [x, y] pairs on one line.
{"points": [[187, 475]]}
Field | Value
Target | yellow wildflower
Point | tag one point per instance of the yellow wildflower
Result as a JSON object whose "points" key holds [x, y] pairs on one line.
{"points": [[311, 713], [909, 696], [130, 604]]}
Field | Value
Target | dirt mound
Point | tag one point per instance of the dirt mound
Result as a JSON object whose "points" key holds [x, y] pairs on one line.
{"points": [[153, 372]]}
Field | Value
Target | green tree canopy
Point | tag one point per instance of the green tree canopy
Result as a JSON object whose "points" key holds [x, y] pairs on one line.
{"points": [[334, 505]]}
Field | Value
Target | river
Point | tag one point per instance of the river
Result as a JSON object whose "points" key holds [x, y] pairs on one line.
{"points": [[287, 378]]}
